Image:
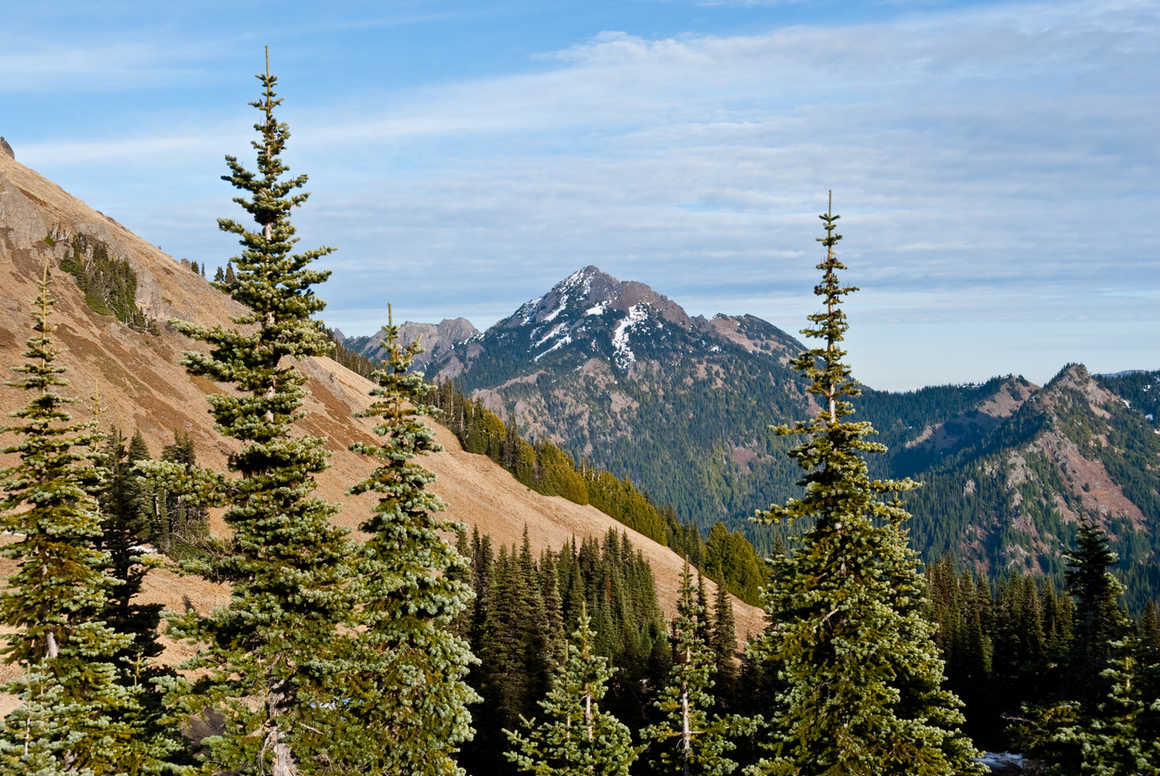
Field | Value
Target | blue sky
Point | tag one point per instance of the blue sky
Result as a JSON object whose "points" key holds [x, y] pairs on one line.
{"points": [[995, 164]]}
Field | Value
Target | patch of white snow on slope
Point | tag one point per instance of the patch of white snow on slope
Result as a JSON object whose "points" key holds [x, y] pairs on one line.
{"points": [[572, 280], [597, 310], [552, 315], [527, 311], [624, 355], [559, 343], [555, 330]]}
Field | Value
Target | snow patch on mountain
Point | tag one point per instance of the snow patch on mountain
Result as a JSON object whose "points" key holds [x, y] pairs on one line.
{"points": [[581, 278], [597, 309], [555, 330], [624, 356], [559, 344], [555, 313]]}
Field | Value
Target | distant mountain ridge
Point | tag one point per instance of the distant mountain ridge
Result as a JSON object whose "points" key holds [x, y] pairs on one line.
{"points": [[622, 376], [436, 339]]}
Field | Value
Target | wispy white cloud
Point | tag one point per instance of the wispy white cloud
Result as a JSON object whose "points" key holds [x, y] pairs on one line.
{"points": [[38, 64], [996, 162]]}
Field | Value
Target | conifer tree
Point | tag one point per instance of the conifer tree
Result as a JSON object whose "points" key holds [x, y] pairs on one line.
{"points": [[724, 646], [573, 736], [1098, 619], [862, 678], [506, 681], [269, 658], [409, 696], [704, 627], [688, 741], [1119, 739], [122, 529], [74, 714], [556, 640], [534, 623], [230, 278], [156, 733], [1150, 628]]}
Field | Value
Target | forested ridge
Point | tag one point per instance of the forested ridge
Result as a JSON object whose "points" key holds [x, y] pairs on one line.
{"points": [[723, 555]]}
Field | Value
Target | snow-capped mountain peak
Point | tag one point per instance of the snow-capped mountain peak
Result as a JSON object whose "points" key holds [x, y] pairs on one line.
{"points": [[594, 312]]}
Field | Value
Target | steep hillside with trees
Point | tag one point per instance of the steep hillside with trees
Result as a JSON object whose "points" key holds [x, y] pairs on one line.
{"points": [[142, 387]]}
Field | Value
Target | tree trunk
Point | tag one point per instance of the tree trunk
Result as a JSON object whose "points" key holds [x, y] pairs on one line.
{"points": [[284, 764], [588, 715]]}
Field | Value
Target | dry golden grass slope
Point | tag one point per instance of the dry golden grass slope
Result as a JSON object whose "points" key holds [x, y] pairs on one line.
{"points": [[142, 386]]}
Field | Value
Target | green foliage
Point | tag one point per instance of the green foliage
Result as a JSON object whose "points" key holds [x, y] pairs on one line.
{"points": [[862, 679], [75, 714], [1105, 715], [109, 284], [688, 740], [723, 643], [524, 606], [547, 469], [573, 736], [123, 528], [1098, 620], [405, 690], [172, 497], [730, 557], [1119, 738], [268, 663]]}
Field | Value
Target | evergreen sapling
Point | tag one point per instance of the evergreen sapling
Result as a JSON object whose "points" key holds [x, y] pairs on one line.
{"points": [[407, 688]]}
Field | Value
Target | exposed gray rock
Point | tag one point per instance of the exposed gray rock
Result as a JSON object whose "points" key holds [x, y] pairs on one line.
{"points": [[436, 339], [6, 149]]}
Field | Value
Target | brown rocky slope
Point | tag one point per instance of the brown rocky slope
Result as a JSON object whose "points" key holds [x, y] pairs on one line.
{"points": [[142, 386]]}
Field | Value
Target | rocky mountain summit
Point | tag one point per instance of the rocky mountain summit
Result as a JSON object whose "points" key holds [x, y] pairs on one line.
{"points": [[621, 325], [598, 365]]}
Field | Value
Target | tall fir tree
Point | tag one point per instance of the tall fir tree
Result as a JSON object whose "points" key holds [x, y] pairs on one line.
{"points": [[573, 736], [1099, 622], [268, 659], [688, 740], [74, 715], [1095, 726], [407, 688], [723, 641], [862, 677]]}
